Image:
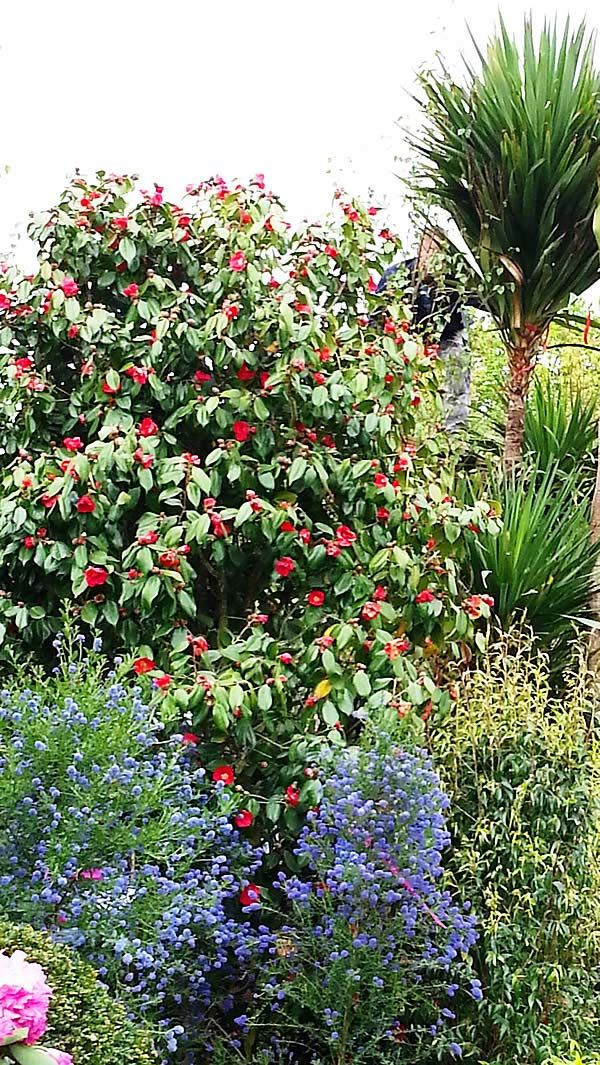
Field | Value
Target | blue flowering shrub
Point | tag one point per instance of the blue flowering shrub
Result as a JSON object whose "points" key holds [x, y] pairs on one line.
{"points": [[373, 957], [112, 839]]}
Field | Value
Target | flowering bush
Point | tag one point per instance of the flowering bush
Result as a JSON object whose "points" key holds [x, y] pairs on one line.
{"points": [[24, 1000], [81, 1017], [116, 842], [220, 450], [371, 963]]}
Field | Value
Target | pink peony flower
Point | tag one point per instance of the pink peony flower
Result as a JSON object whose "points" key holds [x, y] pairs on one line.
{"points": [[59, 1056], [24, 998]]}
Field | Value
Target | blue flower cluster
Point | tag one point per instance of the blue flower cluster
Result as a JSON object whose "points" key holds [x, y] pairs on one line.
{"points": [[373, 929], [113, 839]]}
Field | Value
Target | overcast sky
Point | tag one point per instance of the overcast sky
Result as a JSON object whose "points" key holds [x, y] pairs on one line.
{"points": [[307, 92]]}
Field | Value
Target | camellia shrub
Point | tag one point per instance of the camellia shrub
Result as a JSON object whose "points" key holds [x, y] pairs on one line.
{"points": [[81, 1016], [220, 451], [120, 845]]}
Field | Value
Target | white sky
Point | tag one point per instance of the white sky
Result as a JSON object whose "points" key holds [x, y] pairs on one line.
{"points": [[307, 92]]}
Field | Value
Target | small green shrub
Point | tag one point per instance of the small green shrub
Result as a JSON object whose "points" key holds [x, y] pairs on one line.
{"points": [[83, 1019], [541, 563], [521, 769]]}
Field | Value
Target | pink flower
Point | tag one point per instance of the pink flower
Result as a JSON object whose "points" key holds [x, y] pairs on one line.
{"points": [[370, 611], [91, 874], [396, 647], [59, 1056], [238, 262], [69, 287], [24, 998], [131, 291]]}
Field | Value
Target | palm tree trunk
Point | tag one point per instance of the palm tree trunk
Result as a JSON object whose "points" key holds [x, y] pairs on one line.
{"points": [[594, 647], [521, 361]]}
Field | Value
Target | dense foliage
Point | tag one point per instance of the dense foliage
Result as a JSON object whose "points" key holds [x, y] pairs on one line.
{"points": [[83, 1018], [522, 769], [121, 846], [219, 452], [372, 955]]}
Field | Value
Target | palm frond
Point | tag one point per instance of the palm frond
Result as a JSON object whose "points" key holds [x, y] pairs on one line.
{"points": [[513, 154]]}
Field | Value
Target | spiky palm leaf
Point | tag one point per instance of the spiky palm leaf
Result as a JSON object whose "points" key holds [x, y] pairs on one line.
{"points": [[513, 154], [541, 563]]}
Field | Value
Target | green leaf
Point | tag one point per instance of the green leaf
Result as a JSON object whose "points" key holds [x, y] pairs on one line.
{"points": [[111, 612], [297, 470], [127, 249], [361, 682], [264, 697], [150, 591]]}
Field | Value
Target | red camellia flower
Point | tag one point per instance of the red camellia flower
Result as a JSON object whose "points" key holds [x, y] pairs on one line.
{"points": [[48, 501], [190, 739], [85, 505], [198, 644], [25, 363], [143, 459], [95, 576], [304, 535], [73, 443], [425, 596], [332, 549], [148, 538], [292, 795], [170, 560], [380, 480], [370, 611], [238, 262], [121, 222], [284, 566], [243, 819], [241, 431], [383, 514], [133, 574], [302, 308], [380, 593], [250, 895], [162, 682], [286, 658], [331, 251], [139, 374], [131, 291], [29, 542], [147, 427], [245, 373], [231, 311], [316, 597], [108, 389], [223, 774], [73, 331], [69, 287], [143, 665], [396, 647], [287, 527], [201, 377], [344, 536]]}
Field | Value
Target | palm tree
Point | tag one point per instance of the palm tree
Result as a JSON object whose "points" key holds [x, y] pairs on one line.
{"points": [[513, 155]]}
